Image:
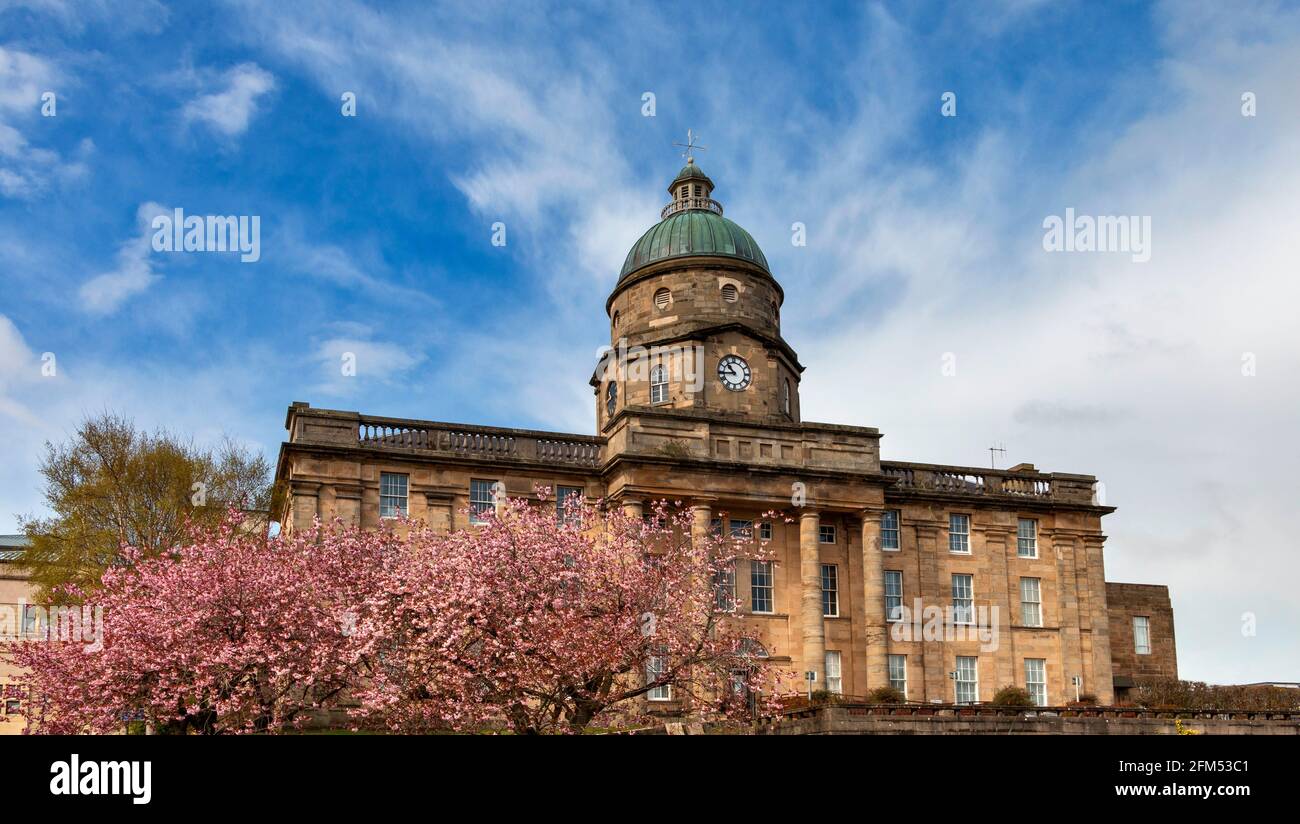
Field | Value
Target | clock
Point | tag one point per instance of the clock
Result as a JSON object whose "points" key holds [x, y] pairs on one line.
{"points": [[734, 373]]}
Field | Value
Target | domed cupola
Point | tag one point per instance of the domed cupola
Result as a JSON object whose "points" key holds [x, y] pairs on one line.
{"points": [[695, 319], [692, 225]]}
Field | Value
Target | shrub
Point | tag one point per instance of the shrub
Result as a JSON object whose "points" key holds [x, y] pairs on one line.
{"points": [[1166, 693], [885, 695], [824, 697], [1012, 696]]}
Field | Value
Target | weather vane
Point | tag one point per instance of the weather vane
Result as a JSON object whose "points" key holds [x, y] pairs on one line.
{"points": [[690, 146]]}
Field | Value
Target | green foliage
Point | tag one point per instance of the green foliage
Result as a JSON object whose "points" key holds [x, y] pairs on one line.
{"points": [[1167, 693], [112, 484], [885, 695], [1013, 696], [824, 697]]}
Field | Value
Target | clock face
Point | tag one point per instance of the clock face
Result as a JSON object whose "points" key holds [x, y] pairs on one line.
{"points": [[734, 373]]}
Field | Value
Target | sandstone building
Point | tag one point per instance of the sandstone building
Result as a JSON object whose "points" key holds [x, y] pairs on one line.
{"points": [[699, 401]]}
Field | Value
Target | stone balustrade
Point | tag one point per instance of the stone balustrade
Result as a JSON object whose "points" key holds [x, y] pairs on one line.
{"points": [[1003, 483], [330, 427]]}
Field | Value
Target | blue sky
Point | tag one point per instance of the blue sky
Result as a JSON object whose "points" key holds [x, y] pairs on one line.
{"points": [[924, 235]]}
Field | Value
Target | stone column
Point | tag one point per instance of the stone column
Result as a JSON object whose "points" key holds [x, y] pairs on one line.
{"points": [[1004, 593], [1101, 682], [811, 625], [701, 520], [1066, 546], [701, 526], [873, 593], [933, 592]]}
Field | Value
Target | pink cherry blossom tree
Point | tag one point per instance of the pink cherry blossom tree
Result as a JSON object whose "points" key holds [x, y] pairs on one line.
{"points": [[547, 624], [528, 622], [230, 632]]}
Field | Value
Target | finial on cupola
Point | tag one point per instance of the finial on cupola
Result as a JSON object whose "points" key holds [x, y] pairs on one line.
{"points": [[692, 188]]}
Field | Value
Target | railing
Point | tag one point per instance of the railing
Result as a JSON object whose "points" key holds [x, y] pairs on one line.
{"points": [[966, 481], [476, 443], [689, 203]]}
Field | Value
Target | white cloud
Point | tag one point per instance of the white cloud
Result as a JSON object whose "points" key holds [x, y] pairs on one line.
{"points": [[27, 171], [348, 363], [229, 110], [125, 18], [549, 167], [134, 273]]}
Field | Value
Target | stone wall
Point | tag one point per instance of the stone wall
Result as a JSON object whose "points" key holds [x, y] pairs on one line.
{"points": [[1152, 601], [948, 721]]}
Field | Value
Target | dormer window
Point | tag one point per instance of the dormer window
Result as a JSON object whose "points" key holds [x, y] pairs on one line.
{"points": [[662, 298], [729, 293]]}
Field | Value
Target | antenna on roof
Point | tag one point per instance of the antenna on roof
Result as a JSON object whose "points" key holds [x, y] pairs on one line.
{"points": [[992, 461]]}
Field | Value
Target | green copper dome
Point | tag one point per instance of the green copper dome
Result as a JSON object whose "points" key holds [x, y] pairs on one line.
{"points": [[690, 233], [689, 172]]}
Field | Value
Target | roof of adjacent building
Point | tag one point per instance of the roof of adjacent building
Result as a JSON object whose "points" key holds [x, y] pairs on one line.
{"points": [[12, 546], [692, 233]]}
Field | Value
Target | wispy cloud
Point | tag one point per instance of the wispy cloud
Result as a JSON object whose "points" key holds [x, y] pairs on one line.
{"points": [[134, 271], [229, 109], [27, 170], [351, 362]]}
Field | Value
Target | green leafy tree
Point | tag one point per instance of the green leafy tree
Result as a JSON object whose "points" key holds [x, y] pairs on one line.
{"points": [[113, 485]]}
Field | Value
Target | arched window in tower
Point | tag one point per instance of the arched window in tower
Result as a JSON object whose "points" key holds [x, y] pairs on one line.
{"points": [[614, 322], [776, 313], [659, 384], [785, 396], [729, 293], [662, 298], [611, 398]]}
